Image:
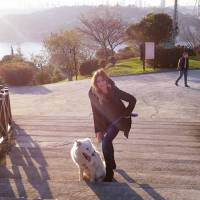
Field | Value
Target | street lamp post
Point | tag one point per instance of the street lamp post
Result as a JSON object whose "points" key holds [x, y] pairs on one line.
{"points": [[175, 23]]}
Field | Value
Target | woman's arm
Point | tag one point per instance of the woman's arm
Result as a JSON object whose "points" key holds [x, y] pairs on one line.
{"points": [[97, 115], [97, 119], [128, 98], [97, 124]]}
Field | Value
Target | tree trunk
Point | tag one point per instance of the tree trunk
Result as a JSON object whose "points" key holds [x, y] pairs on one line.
{"points": [[106, 53], [69, 74], [75, 63]]}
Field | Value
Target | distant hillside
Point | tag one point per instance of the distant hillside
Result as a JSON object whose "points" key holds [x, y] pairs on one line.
{"points": [[36, 26]]}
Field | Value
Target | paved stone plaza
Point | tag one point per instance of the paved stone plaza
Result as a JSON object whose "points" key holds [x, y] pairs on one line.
{"points": [[160, 160]]}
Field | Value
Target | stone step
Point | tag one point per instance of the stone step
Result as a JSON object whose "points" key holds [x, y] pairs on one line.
{"points": [[90, 125], [73, 121], [159, 161], [89, 132], [59, 150], [144, 142], [89, 118], [59, 136], [118, 155], [93, 191], [143, 165], [70, 172]]}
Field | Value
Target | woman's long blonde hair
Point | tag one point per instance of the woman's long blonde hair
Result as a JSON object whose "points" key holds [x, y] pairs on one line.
{"points": [[94, 86]]}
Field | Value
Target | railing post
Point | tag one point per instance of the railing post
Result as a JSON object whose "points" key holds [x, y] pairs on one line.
{"points": [[3, 117], [5, 122], [1, 114]]}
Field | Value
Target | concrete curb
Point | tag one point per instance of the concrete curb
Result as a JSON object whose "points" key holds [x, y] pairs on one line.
{"points": [[156, 72]]}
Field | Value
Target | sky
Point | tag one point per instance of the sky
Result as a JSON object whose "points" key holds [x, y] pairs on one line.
{"points": [[38, 4]]}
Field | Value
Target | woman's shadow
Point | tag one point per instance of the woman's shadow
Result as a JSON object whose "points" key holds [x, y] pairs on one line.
{"points": [[122, 191], [114, 190], [27, 165], [146, 187]]}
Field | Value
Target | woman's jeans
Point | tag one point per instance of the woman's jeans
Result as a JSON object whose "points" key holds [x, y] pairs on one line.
{"points": [[107, 147]]}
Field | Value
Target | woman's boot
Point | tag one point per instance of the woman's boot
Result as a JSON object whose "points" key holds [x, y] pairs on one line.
{"points": [[109, 173]]}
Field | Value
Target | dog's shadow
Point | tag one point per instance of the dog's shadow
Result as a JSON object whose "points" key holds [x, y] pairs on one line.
{"points": [[124, 190]]}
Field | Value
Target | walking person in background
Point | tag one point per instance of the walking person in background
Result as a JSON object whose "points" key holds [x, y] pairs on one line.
{"points": [[110, 115], [183, 66]]}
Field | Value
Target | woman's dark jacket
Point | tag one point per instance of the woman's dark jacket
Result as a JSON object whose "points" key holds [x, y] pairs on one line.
{"points": [[111, 109], [183, 63]]}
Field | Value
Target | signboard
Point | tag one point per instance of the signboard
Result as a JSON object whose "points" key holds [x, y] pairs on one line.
{"points": [[149, 50]]}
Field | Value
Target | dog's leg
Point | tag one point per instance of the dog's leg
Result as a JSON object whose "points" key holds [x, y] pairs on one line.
{"points": [[92, 175], [80, 174]]}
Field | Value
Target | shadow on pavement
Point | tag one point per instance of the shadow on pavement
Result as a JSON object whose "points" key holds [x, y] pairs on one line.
{"points": [[195, 89], [27, 162], [30, 90], [114, 190], [146, 187]]}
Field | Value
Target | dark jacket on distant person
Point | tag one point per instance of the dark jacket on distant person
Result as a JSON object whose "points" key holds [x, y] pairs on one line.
{"points": [[183, 64], [111, 108]]}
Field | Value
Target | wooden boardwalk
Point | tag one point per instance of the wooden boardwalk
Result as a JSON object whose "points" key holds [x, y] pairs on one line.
{"points": [[160, 161]]}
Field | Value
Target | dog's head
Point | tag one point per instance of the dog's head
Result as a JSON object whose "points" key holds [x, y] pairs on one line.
{"points": [[85, 148]]}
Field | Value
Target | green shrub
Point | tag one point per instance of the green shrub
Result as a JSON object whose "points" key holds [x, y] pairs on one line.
{"points": [[102, 63], [197, 51], [167, 58], [17, 73], [112, 60], [48, 74], [87, 67], [12, 58], [42, 77], [102, 55], [57, 76]]}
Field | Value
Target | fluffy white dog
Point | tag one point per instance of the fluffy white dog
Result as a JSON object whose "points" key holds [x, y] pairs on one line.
{"points": [[88, 160]]}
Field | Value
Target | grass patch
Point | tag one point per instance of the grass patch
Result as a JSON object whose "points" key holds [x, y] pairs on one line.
{"points": [[80, 77], [195, 63], [134, 66], [126, 67]]}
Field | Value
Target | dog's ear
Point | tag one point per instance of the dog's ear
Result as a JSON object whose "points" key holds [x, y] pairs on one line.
{"points": [[78, 143]]}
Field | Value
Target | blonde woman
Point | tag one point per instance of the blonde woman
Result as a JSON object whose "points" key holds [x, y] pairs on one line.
{"points": [[110, 115]]}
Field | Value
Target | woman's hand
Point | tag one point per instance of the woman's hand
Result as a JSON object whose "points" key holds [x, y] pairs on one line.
{"points": [[99, 136]]}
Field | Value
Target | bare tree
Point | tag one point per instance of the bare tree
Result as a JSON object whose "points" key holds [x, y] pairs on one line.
{"points": [[64, 50], [88, 51], [40, 60], [107, 30]]}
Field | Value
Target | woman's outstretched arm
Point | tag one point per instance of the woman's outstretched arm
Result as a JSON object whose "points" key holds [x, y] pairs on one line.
{"points": [[128, 98]]}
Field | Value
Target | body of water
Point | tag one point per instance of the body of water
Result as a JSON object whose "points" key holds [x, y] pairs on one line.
{"points": [[27, 48]]}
